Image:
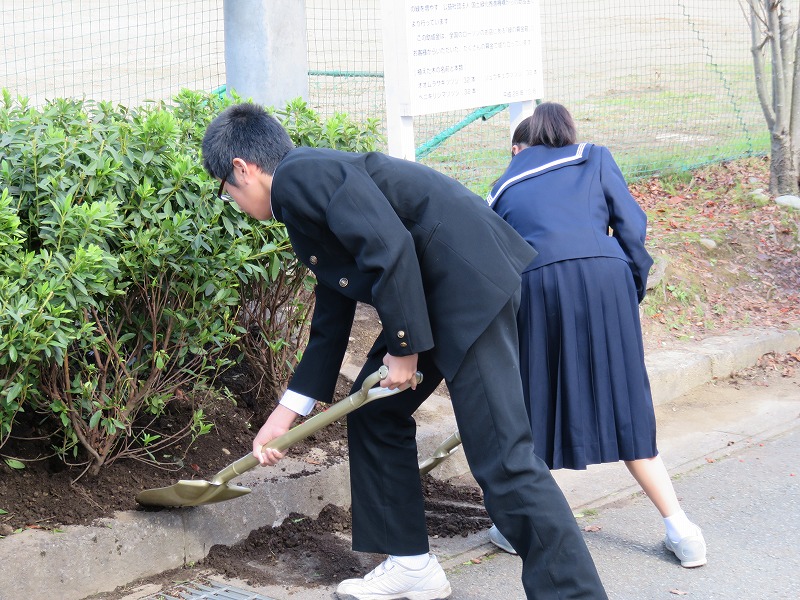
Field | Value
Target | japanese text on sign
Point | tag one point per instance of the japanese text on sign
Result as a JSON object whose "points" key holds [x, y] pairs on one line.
{"points": [[470, 54]]}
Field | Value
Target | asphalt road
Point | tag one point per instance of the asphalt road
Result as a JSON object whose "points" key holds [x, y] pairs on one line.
{"points": [[748, 504]]}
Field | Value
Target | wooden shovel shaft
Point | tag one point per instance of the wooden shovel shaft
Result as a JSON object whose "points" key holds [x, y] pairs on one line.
{"points": [[314, 424]]}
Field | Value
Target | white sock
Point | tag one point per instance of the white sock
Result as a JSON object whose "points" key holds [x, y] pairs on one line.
{"points": [[415, 563], [679, 526]]}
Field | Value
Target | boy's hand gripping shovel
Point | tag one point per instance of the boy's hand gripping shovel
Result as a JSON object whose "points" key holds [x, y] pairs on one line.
{"points": [[194, 492]]}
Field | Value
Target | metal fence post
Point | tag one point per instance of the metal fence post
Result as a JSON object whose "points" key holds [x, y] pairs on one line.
{"points": [[266, 55]]}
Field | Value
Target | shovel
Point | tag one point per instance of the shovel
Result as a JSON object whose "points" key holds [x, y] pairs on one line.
{"points": [[194, 492], [445, 449]]}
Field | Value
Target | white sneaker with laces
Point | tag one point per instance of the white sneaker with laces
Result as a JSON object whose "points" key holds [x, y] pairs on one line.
{"points": [[390, 580]]}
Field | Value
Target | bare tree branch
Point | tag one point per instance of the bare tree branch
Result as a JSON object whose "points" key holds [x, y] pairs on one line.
{"points": [[786, 37], [779, 103], [758, 64], [779, 97]]}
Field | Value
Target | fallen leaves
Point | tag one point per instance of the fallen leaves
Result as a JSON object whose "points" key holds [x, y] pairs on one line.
{"points": [[756, 259]]}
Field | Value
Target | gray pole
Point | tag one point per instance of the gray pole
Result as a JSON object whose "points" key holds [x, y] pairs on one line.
{"points": [[265, 50]]}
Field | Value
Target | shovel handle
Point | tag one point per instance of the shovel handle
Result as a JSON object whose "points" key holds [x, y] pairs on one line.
{"points": [[336, 411], [445, 449]]}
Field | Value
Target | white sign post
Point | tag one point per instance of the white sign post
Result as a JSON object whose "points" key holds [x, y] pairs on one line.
{"points": [[441, 56]]}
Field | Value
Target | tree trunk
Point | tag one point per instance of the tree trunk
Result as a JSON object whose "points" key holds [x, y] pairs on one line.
{"points": [[782, 171], [779, 101], [794, 128]]}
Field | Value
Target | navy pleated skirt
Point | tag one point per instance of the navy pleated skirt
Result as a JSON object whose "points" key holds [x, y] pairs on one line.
{"points": [[582, 362]]}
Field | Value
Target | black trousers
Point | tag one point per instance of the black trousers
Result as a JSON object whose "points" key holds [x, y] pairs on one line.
{"points": [[520, 494]]}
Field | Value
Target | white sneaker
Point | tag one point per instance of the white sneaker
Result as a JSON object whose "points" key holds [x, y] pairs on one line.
{"points": [[499, 540], [691, 550], [390, 580]]}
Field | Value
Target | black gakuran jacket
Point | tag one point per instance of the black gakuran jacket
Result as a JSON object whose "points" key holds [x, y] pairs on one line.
{"points": [[432, 258]]}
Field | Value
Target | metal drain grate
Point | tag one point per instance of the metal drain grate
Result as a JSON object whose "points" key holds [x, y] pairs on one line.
{"points": [[208, 590]]}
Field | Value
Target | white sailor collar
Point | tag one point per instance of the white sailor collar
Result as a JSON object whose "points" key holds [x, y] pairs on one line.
{"points": [[527, 164]]}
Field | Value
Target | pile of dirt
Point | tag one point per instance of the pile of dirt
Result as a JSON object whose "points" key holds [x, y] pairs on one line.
{"points": [[47, 495], [319, 549], [316, 552]]}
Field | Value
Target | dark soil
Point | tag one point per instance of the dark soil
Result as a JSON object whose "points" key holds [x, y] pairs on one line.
{"points": [[751, 277], [47, 495], [316, 552], [319, 549]]}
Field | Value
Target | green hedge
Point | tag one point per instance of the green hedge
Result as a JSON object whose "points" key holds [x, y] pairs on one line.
{"points": [[123, 280]]}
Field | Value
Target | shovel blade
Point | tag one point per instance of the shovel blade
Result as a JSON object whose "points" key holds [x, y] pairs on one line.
{"points": [[190, 492], [196, 492]]}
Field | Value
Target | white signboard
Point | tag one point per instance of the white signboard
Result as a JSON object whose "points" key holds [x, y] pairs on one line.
{"points": [[449, 56]]}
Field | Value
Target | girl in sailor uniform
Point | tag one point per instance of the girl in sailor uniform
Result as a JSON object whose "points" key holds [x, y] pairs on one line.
{"points": [[581, 350]]}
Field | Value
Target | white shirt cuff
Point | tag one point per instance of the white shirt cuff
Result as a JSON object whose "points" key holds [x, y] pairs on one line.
{"points": [[298, 403]]}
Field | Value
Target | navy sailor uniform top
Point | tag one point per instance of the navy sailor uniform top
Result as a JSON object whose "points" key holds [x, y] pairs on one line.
{"points": [[573, 202]]}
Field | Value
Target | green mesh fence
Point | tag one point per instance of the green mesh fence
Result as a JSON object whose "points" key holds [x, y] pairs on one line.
{"points": [[666, 84]]}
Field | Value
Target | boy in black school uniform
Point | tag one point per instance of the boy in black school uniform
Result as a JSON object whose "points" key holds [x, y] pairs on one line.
{"points": [[443, 272]]}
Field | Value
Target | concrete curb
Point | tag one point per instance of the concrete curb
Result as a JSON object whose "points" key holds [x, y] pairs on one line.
{"points": [[80, 561], [675, 372]]}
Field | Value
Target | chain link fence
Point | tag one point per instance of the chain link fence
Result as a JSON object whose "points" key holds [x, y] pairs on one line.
{"points": [[666, 84], [123, 51]]}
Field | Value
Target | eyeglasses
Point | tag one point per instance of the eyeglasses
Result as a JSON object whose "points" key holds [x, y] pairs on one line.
{"points": [[221, 191]]}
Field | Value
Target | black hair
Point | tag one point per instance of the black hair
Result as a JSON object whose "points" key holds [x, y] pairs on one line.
{"points": [[245, 131], [549, 125]]}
